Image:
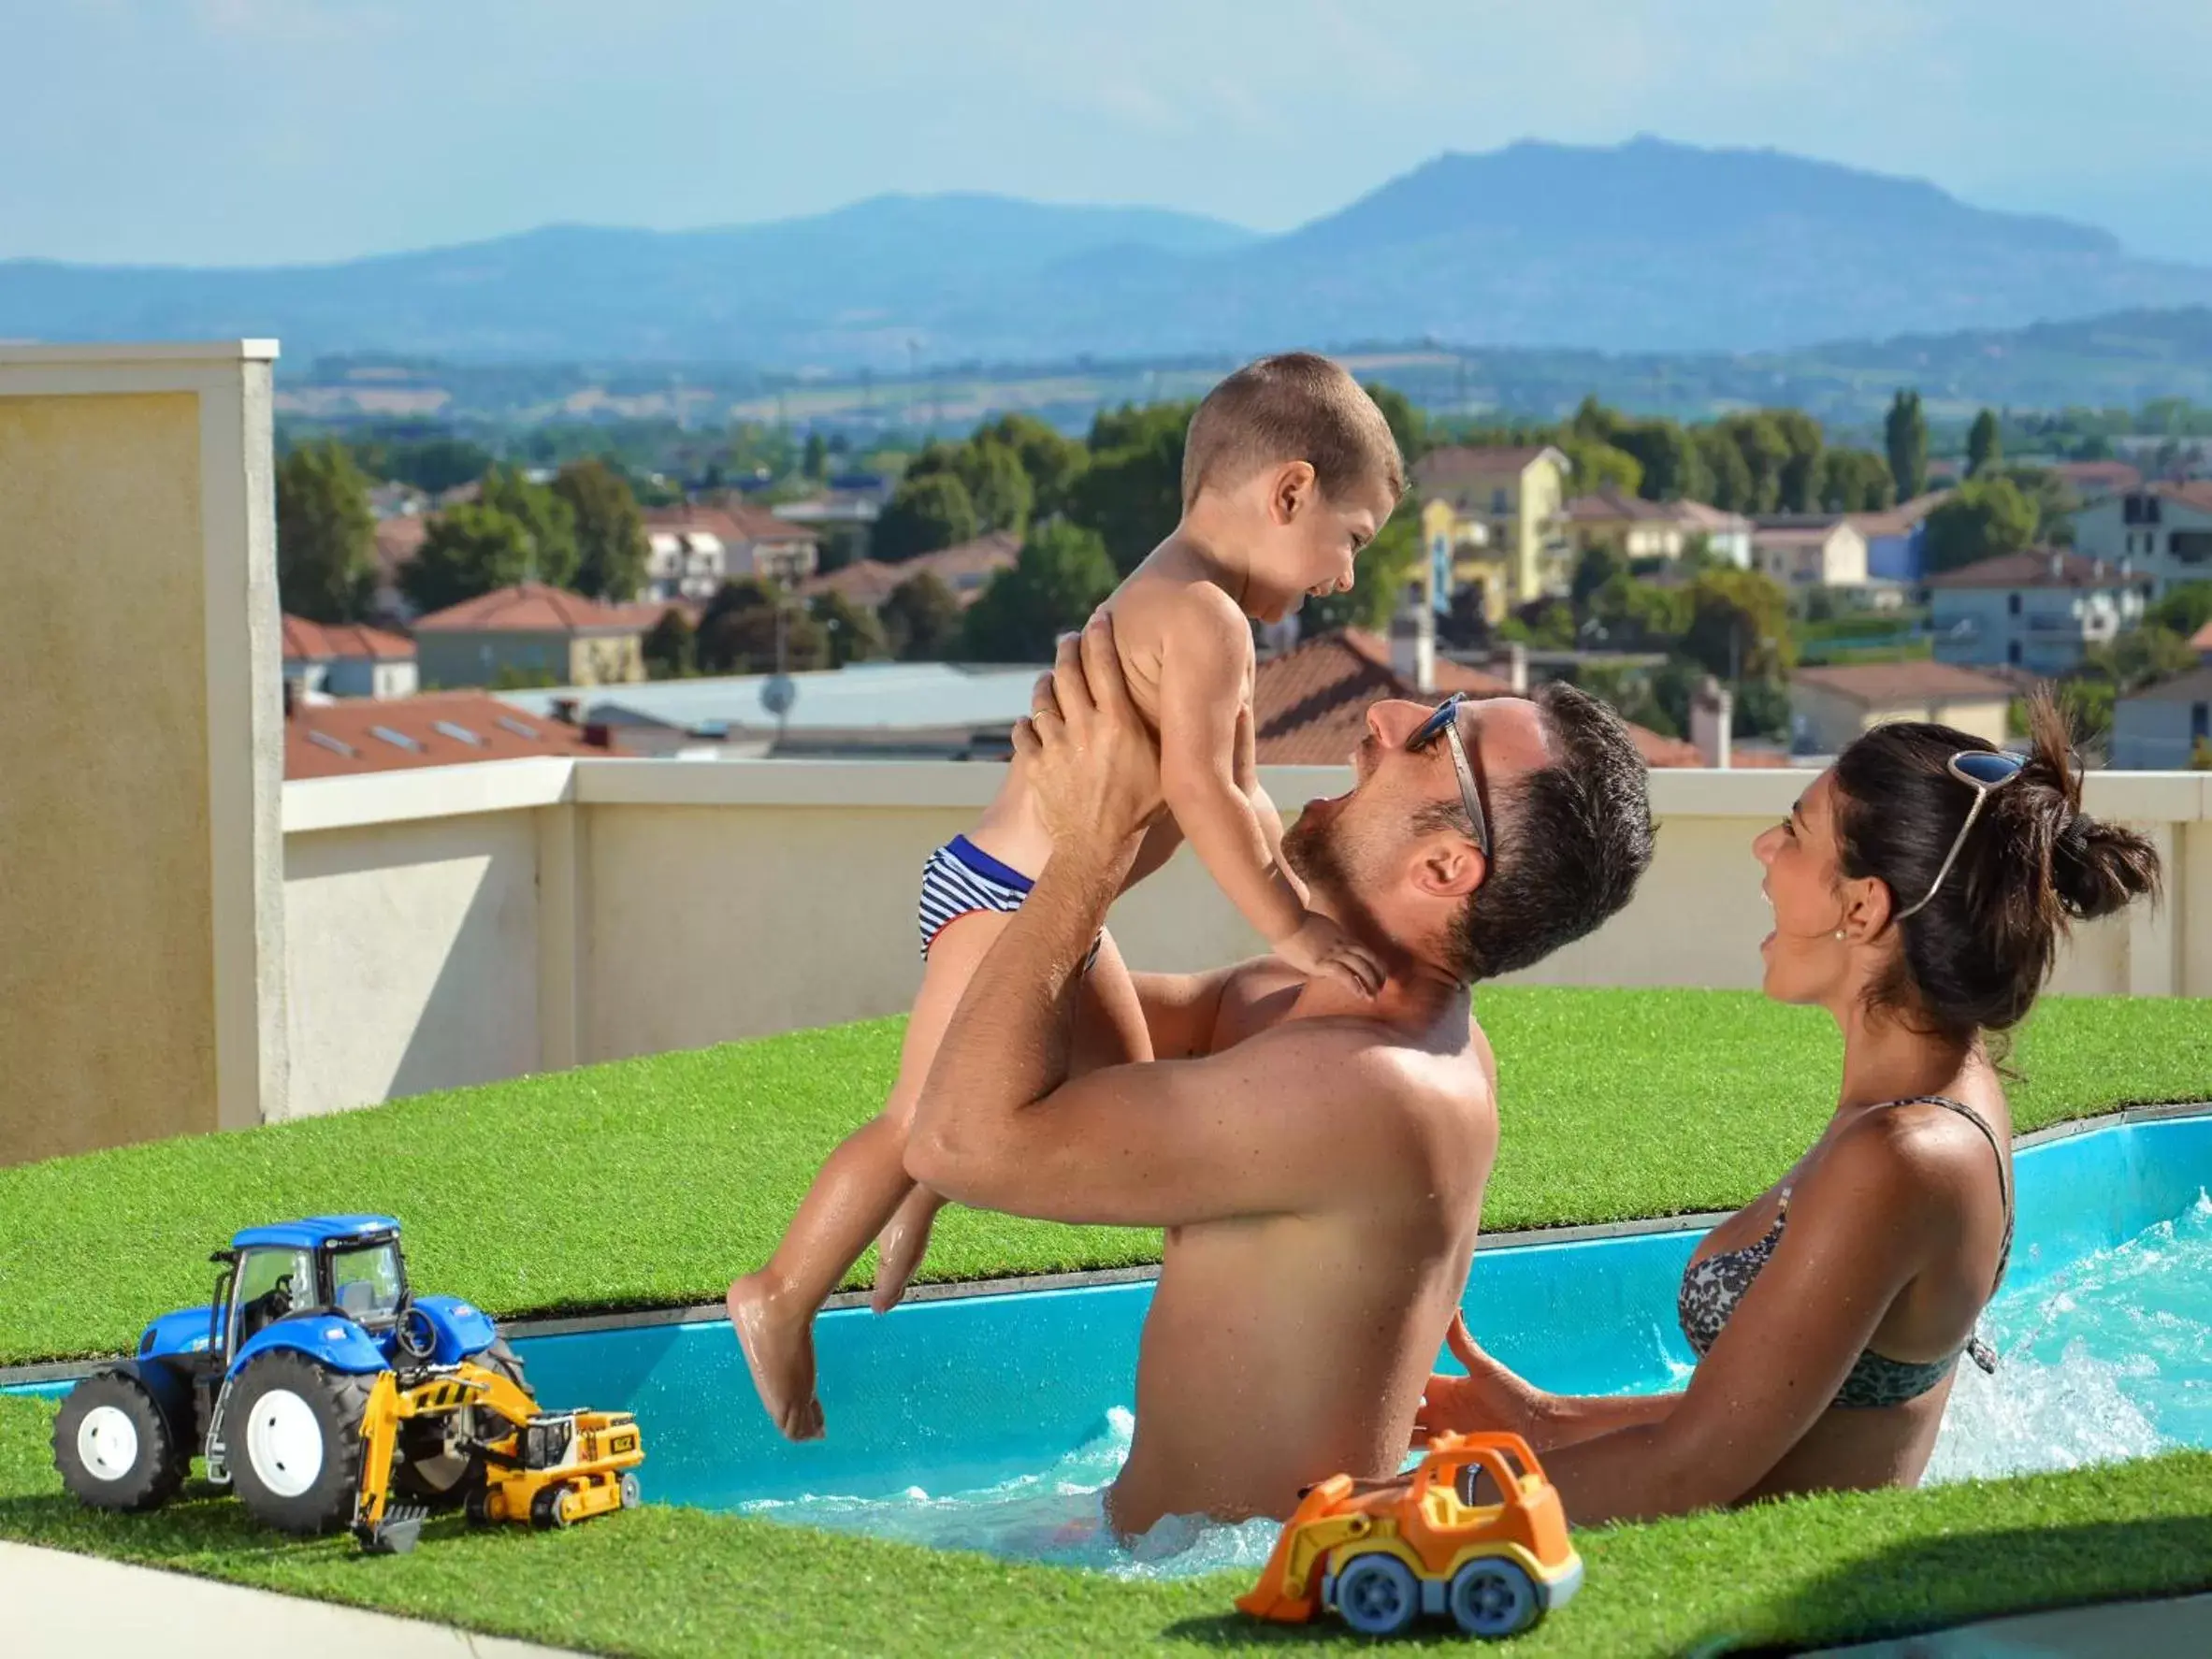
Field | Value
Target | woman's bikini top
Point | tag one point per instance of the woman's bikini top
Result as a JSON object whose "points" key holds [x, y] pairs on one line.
{"points": [[1712, 1288]]}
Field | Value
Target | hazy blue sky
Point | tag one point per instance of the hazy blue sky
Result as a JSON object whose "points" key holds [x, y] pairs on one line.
{"points": [[257, 131]]}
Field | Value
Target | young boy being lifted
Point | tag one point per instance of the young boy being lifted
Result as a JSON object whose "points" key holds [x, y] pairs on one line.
{"points": [[1289, 468]]}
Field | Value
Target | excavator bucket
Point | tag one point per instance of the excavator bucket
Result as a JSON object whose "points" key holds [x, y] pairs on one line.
{"points": [[1286, 1589]]}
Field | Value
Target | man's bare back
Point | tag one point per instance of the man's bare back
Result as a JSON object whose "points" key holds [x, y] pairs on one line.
{"points": [[1283, 1349]]}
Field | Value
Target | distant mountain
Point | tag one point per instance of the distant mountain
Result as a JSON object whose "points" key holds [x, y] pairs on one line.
{"points": [[1643, 247]]}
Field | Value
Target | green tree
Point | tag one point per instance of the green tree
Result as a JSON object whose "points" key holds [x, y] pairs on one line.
{"points": [[470, 550], [2199, 754], [1599, 565], [854, 634], [1739, 625], [1674, 468], [1061, 574], [1409, 423], [1854, 481], [1132, 493], [547, 519], [739, 633], [1904, 435], [611, 551], [1380, 573], [1601, 467], [1984, 445], [1633, 616], [432, 465], [924, 515], [1761, 439], [1984, 518], [671, 647], [325, 535], [997, 484], [814, 462], [2139, 657], [2185, 608], [921, 619], [1796, 481], [1052, 459], [1732, 486]]}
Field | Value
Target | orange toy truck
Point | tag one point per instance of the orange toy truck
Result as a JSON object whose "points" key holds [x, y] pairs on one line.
{"points": [[1382, 1552]]}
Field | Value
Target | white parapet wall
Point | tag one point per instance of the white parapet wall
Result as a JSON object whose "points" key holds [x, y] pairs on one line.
{"points": [[465, 924]]}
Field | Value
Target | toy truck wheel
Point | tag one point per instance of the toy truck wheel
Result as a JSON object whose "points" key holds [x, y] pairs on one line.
{"points": [[429, 1470], [1493, 1598], [549, 1510], [479, 1507], [632, 1493], [1377, 1594], [292, 1434], [113, 1446]]}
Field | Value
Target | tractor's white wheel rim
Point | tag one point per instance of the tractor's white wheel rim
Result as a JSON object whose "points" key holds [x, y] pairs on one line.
{"points": [[107, 1442], [285, 1443]]}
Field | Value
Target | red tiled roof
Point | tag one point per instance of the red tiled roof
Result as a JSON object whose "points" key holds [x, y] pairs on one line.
{"points": [[530, 608], [2107, 476], [340, 739], [737, 524], [2201, 642], [318, 642], [1872, 683], [1610, 504], [965, 568], [1311, 702], [1441, 469], [2196, 492], [2039, 566], [1699, 516], [1899, 520]]}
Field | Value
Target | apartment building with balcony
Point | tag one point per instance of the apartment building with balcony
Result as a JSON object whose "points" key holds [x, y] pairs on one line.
{"points": [[2164, 530], [1492, 519], [2039, 611]]}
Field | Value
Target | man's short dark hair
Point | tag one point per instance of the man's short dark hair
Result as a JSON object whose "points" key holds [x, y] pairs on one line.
{"points": [[1297, 406], [1571, 841]]}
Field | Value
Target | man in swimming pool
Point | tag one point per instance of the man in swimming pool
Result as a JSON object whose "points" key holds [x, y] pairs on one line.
{"points": [[1317, 1157]]}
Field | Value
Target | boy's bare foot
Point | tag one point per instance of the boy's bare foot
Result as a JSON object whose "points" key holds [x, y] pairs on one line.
{"points": [[779, 1352], [899, 1251]]}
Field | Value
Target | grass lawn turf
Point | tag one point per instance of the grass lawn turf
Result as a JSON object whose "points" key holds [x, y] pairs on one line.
{"points": [[1616, 1105], [651, 1182], [684, 1582]]}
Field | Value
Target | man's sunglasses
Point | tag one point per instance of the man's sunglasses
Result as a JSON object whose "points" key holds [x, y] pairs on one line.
{"points": [[1984, 772], [1444, 722]]}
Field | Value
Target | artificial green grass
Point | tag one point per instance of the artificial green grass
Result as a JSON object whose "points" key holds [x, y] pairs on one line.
{"points": [[651, 1182], [684, 1582]]}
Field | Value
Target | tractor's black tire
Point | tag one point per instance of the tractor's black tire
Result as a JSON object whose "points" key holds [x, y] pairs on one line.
{"points": [[548, 1513], [479, 1507], [429, 1471], [154, 1462], [304, 1496]]}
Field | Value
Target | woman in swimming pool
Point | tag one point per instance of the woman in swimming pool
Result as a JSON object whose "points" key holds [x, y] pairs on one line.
{"points": [[1920, 888]]}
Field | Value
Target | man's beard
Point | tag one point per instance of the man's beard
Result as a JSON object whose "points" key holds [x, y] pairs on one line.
{"points": [[1315, 855]]}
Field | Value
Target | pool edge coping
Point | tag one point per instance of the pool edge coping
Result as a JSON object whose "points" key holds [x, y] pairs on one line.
{"points": [[1099, 1278]]}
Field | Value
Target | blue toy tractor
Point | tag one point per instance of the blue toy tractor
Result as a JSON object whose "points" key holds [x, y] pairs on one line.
{"points": [[317, 1384]]}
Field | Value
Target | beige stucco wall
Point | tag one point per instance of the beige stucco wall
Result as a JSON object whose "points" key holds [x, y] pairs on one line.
{"points": [[494, 920], [106, 992], [1836, 719], [413, 958], [449, 658]]}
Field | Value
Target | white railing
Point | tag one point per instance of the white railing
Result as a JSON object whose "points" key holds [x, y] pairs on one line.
{"points": [[470, 923]]}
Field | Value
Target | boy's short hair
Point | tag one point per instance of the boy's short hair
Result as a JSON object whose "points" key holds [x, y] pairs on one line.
{"points": [[1293, 407]]}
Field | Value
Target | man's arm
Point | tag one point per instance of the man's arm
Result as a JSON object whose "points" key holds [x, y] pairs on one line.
{"points": [[997, 1124]]}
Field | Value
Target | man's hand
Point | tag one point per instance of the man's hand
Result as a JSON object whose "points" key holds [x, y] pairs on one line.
{"points": [[1092, 764]]}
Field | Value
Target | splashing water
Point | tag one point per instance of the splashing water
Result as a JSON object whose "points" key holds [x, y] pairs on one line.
{"points": [[2109, 1357], [1057, 1515]]}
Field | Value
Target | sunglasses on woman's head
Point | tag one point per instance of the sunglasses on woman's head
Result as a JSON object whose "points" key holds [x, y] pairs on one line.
{"points": [[1444, 722], [1984, 771]]}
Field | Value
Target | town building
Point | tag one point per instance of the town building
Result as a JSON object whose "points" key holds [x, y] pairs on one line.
{"points": [[1830, 706], [2166, 726], [1803, 551], [2164, 530], [1490, 518], [346, 659], [1628, 524], [1728, 535], [692, 549], [532, 634], [2040, 609], [399, 539], [1897, 538]]}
